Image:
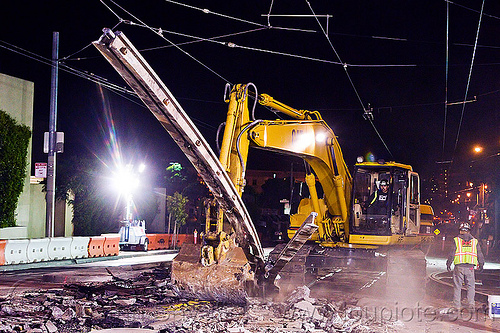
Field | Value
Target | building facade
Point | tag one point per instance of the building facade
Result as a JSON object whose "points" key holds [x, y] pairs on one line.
{"points": [[16, 98]]}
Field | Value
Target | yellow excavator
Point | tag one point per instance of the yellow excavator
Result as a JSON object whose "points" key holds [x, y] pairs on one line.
{"points": [[348, 222]]}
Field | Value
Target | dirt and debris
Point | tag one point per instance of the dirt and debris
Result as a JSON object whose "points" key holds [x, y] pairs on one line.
{"points": [[149, 301]]}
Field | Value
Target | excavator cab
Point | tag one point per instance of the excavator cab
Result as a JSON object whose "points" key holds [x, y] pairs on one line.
{"points": [[386, 203]]}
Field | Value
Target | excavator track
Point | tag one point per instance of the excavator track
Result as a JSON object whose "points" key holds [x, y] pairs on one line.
{"points": [[379, 269]]}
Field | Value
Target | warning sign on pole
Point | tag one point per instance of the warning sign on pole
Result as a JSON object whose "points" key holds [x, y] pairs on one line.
{"points": [[41, 170]]}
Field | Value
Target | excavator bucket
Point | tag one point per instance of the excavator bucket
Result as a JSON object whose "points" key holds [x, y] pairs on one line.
{"points": [[226, 282]]}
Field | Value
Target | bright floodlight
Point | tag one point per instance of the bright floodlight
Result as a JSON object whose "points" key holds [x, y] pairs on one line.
{"points": [[302, 141], [478, 149], [320, 138], [126, 181]]}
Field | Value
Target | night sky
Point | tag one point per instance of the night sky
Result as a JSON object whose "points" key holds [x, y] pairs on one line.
{"points": [[395, 53]]}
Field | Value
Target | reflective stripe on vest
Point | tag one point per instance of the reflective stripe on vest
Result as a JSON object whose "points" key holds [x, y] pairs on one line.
{"points": [[466, 252], [374, 197]]}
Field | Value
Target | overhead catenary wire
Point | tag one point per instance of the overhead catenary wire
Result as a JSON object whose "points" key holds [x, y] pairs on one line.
{"points": [[234, 45], [208, 11], [198, 39], [66, 68], [367, 113], [112, 87], [473, 10], [469, 77], [81, 50], [159, 32], [120, 20], [446, 74], [170, 42], [345, 65], [269, 13]]}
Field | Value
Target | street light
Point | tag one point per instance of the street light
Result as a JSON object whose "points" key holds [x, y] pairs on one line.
{"points": [[478, 149]]}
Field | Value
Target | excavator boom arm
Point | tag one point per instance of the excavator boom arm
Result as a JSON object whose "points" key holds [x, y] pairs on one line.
{"points": [[315, 142]]}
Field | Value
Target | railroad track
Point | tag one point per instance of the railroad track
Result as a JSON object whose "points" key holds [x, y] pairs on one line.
{"points": [[487, 283]]}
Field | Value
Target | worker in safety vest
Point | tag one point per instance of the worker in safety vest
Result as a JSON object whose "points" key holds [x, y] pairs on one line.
{"points": [[466, 255]]}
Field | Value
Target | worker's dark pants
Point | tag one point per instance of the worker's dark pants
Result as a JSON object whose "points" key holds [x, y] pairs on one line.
{"points": [[463, 274]]}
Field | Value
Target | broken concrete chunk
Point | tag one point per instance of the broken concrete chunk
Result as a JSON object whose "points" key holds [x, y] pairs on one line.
{"points": [[118, 319], [238, 330], [51, 328], [57, 313], [305, 306], [125, 302], [68, 314], [300, 293]]}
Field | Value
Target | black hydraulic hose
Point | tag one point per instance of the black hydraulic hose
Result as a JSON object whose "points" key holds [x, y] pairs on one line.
{"points": [[217, 136], [250, 84], [253, 123]]}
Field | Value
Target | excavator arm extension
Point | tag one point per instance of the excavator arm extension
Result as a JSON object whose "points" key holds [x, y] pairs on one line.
{"points": [[134, 69]]}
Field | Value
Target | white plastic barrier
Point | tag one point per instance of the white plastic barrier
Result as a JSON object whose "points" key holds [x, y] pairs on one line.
{"points": [[38, 250], [16, 251], [79, 247], [60, 248]]}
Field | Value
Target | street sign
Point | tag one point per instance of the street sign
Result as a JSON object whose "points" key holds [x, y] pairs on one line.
{"points": [[41, 170], [437, 232]]}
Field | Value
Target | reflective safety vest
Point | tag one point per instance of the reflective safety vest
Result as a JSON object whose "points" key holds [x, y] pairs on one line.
{"points": [[466, 251]]}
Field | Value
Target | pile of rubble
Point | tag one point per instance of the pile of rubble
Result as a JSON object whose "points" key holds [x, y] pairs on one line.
{"points": [[298, 313], [149, 301]]}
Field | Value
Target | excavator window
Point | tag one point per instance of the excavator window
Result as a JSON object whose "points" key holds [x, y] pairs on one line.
{"points": [[414, 194], [372, 202]]}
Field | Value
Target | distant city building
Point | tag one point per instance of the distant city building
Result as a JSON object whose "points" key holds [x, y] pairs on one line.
{"points": [[257, 178]]}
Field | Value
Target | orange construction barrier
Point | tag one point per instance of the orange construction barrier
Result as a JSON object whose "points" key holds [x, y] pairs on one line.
{"points": [[184, 238], [162, 241], [179, 238], [96, 246], [152, 242], [2, 251], [111, 244]]}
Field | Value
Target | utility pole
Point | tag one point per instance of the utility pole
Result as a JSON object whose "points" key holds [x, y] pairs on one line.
{"points": [[51, 162]]}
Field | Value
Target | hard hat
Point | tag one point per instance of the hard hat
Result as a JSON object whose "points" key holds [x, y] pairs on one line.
{"points": [[384, 182], [464, 226]]}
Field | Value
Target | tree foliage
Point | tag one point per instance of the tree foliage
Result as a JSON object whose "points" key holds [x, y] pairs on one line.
{"points": [[14, 141], [175, 177], [176, 205], [187, 182]]}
